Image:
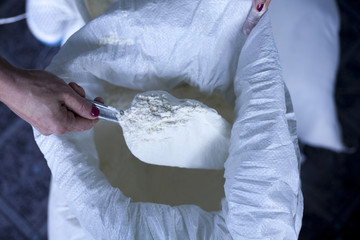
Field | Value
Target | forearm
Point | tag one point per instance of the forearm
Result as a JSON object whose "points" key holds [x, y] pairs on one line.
{"points": [[8, 80]]}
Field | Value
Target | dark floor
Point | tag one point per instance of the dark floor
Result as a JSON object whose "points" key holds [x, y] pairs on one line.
{"points": [[331, 182]]}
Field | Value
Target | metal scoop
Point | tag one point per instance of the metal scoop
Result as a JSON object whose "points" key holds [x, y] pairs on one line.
{"points": [[107, 113]]}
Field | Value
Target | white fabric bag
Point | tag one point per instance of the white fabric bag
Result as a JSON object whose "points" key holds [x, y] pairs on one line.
{"points": [[158, 45], [307, 35]]}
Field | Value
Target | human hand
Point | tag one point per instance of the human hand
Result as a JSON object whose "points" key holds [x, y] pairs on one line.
{"points": [[257, 11], [46, 101]]}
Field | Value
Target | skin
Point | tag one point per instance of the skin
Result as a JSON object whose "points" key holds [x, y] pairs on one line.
{"points": [[254, 15], [45, 101]]}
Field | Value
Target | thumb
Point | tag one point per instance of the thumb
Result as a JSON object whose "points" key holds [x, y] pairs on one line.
{"points": [[81, 106]]}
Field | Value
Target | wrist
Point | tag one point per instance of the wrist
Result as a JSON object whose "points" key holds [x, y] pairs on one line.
{"points": [[8, 78]]}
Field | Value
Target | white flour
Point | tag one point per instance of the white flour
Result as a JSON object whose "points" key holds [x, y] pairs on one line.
{"points": [[114, 39], [161, 129]]}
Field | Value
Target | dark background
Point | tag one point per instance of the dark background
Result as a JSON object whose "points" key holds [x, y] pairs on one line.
{"points": [[330, 181]]}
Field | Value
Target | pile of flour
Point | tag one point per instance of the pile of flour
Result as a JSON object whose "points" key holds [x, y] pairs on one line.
{"points": [[163, 130]]}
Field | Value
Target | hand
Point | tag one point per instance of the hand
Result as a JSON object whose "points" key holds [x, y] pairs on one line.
{"points": [[257, 11], [46, 101]]}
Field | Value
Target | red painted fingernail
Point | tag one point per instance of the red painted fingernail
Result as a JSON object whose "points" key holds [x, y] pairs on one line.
{"points": [[260, 7], [94, 111]]}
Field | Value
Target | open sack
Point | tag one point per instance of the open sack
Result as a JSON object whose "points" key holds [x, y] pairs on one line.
{"points": [[146, 45]]}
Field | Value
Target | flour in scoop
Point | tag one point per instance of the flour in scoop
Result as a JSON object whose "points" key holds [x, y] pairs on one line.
{"points": [[163, 130]]}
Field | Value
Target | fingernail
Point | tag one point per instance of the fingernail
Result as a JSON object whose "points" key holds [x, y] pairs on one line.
{"points": [[94, 111], [100, 99], [260, 7]]}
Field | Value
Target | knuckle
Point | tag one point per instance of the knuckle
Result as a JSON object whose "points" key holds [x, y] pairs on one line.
{"points": [[83, 107], [59, 129], [53, 115], [65, 94]]}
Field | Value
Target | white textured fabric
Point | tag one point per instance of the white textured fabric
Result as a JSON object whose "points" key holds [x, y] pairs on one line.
{"points": [[307, 35], [54, 21], [157, 45]]}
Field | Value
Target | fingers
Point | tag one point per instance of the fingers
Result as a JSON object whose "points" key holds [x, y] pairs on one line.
{"points": [[79, 124], [77, 89], [100, 100], [78, 114], [67, 121], [257, 11], [82, 124], [78, 104]]}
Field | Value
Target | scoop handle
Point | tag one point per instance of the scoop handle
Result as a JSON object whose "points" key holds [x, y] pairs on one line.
{"points": [[107, 113]]}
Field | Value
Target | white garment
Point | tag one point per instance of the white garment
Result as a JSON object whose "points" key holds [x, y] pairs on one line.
{"points": [[53, 21], [162, 44]]}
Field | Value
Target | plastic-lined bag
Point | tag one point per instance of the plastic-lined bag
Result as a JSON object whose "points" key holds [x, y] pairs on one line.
{"points": [[307, 35], [159, 45]]}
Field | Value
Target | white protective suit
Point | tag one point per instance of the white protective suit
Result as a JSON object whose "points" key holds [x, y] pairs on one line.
{"points": [[147, 45]]}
